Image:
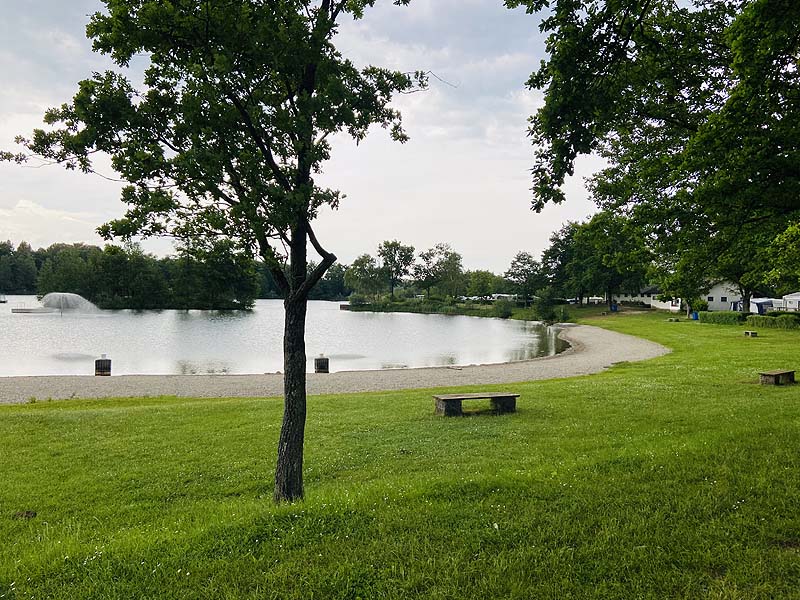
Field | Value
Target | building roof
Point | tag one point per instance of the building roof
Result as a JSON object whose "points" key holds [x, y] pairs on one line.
{"points": [[792, 296]]}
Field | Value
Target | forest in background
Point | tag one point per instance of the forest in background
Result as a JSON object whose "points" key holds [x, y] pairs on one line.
{"points": [[217, 277]]}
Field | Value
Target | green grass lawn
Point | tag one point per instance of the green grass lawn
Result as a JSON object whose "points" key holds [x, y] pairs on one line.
{"points": [[673, 478]]}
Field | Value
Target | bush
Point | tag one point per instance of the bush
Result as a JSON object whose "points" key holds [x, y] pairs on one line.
{"points": [[787, 322], [358, 300], [722, 317], [783, 321], [503, 308], [562, 314], [783, 313], [544, 305]]}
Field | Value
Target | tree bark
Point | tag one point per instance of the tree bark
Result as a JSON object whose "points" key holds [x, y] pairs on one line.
{"points": [[289, 470], [746, 295]]}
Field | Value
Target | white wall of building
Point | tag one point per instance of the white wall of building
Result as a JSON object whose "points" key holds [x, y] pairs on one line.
{"points": [[721, 296], [650, 300], [791, 302]]}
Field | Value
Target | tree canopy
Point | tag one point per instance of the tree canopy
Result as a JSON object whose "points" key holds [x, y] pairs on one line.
{"points": [[526, 275], [397, 259], [694, 106]]}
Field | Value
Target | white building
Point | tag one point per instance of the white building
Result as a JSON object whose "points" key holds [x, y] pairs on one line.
{"points": [[791, 302], [723, 296], [649, 297]]}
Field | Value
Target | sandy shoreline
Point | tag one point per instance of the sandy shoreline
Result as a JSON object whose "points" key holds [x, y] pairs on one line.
{"points": [[593, 350]]}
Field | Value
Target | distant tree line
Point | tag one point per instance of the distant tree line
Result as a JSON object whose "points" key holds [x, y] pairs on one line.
{"points": [[605, 255], [218, 276], [208, 277]]}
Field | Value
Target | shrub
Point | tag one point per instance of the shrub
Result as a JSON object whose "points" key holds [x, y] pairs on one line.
{"points": [[722, 317], [783, 321], [544, 305], [562, 314], [358, 300], [782, 313], [787, 322], [503, 308]]}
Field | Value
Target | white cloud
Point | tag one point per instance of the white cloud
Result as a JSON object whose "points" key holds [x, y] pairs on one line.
{"points": [[40, 226]]}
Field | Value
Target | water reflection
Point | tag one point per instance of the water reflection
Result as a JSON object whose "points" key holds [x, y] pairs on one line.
{"points": [[221, 342], [185, 367]]}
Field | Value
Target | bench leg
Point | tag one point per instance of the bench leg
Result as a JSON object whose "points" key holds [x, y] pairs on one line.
{"points": [[504, 405], [448, 408]]}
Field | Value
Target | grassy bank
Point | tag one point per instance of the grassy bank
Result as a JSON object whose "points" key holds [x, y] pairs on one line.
{"points": [[673, 478]]}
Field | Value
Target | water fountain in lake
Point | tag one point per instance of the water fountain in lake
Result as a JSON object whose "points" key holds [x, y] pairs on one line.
{"points": [[60, 302], [66, 301]]}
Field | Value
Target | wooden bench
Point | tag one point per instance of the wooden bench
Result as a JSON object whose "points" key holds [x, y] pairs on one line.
{"points": [[449, 405], [750, 334], [777, 377]]}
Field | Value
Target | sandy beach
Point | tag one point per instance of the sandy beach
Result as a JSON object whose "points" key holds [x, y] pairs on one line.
{"points": [[592, 350]]}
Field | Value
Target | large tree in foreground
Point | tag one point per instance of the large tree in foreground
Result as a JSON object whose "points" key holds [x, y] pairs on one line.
{"points": [[224, 138], [694, 105]]}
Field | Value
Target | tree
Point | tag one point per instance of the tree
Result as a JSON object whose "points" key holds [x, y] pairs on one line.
{"points": [[439, 266], [564, 263], [240, 100], [332, 286], [617, 259], [25, 271], [228, 275], [482, 284], [784, 259], [397, 260], [365, 275], [7, 282], [69, 270], [693, 106], [526, 275]]}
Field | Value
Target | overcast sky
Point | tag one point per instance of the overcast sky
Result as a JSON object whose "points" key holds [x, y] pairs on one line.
{"points": [[462, 179]]}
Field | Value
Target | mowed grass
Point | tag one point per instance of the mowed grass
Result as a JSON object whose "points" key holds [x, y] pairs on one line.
{"points": [[672, 478]]}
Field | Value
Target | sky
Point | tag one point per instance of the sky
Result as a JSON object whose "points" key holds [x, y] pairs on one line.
{"points": [[463, 178]]}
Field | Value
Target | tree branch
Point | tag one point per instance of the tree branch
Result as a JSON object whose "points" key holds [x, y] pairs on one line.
{"points": [[262, 145]]}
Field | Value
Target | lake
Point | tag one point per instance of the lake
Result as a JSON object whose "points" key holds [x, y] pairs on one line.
{"points": [[176, 342]]}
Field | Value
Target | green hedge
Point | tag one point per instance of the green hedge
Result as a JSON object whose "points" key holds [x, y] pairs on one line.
{"points": [[722, 317], [781, 313], [781, 322]]}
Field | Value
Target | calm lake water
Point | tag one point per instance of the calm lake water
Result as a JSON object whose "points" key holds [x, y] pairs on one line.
{"points": [[198, 342]]}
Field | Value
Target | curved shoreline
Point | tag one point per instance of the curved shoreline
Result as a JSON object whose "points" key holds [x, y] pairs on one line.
{"points": [[592, 350]]}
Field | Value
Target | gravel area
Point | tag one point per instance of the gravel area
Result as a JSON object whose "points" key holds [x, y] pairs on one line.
{"points": [[593, 349]]}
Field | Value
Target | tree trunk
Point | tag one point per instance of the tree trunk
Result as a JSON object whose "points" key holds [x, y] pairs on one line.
{"points": [[746, 295], [289, 470]]}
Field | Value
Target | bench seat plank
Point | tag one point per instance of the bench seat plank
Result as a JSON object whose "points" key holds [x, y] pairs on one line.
{"points": [[486, 395]]}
